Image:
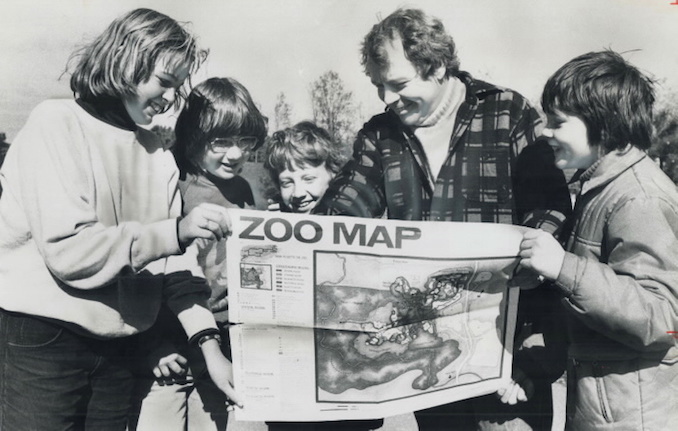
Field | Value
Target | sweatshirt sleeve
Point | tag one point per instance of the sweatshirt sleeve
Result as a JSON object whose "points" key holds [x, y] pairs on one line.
{"points": [[187, 296], [187, 293], [59, 201], [633, 297]]}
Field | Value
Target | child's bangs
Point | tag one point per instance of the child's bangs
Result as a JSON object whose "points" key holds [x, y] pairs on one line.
{"points": [[303, 155], [226, 120], [237, 119], [284, 156], [253, 125], [559, 99]]}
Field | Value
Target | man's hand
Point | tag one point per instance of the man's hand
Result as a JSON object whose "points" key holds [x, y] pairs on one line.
{"points": [[520, 388]]}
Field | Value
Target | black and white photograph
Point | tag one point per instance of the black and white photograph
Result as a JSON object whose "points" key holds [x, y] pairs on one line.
{"points": [[251, 215]]}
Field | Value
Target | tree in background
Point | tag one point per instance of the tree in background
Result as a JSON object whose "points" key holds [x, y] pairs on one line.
{"points": [[665, 147], [283, 112], [334, 108]]}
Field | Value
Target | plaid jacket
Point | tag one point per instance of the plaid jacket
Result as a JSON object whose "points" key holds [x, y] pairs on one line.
{"points": [[495, 170]]}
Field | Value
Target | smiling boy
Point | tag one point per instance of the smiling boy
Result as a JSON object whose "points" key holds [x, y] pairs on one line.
{"points": [[618, 273]]}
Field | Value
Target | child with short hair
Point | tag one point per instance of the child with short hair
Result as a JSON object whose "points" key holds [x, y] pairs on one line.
{"points": [[90, 225], [218, 129], [618, 273], [302, 160]]}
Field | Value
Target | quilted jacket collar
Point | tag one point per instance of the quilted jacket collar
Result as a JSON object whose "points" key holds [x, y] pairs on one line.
{"points": [[610, 167]]}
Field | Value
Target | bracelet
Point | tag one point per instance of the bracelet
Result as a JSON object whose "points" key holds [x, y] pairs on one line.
{"points": [[198, 335], [208, 337]]}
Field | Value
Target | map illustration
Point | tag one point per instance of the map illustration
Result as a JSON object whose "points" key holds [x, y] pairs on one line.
{"points": [[343, 318], [408, 323]]}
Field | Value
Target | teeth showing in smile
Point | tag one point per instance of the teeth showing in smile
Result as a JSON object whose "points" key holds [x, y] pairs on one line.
{"points": [[156, 108]]}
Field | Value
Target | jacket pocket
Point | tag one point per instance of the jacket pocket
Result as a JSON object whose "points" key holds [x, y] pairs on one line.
{"points": [[605, 409], [606, 392]]}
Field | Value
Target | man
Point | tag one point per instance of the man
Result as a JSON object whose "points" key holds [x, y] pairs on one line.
{"points": [[452, 148]]}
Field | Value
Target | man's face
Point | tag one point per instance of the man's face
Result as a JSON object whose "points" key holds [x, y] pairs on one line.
{"points": [[402, 88]]}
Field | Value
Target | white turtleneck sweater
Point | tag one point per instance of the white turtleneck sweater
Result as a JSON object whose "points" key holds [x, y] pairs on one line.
{"points": [[435, 131]]}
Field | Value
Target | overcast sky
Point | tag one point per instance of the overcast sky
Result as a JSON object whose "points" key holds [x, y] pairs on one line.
{"points": [[275, 46]]}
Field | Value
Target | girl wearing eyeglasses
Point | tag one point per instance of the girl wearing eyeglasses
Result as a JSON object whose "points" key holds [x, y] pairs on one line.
{"points": [[218, 129], [216, 132]]}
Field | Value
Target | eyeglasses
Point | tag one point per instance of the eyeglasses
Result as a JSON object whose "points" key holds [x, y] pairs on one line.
{"points": [[246, 144]]}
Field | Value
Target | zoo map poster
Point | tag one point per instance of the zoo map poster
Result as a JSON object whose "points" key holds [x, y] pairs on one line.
{"points": [[350, 318]]}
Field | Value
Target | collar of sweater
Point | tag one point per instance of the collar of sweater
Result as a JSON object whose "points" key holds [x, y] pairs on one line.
{"points": [[454, 94], [435, 134], [110, 110]]}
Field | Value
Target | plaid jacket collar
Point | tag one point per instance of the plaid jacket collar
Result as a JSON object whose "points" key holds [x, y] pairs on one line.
{"points": [[475, 91]]}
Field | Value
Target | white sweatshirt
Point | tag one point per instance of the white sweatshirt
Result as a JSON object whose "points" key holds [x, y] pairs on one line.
{"points": [[87, 222]]}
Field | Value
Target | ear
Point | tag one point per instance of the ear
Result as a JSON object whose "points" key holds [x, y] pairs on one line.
{"points": [[440, 72]]}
